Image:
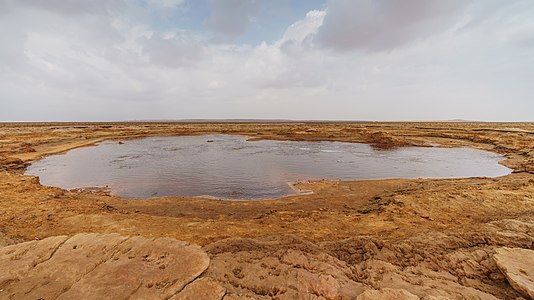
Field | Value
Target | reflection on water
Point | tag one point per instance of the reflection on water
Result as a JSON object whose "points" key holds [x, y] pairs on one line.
{"points": [[228, 166]]}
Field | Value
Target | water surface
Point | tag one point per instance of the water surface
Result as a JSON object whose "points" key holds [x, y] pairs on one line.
{"points": [[228, 166]]}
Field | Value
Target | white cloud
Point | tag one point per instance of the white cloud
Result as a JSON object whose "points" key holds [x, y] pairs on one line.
{"points": [[300, 30], [299, 35]]}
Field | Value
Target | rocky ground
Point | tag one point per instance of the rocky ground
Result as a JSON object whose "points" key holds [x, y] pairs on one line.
{"points": [[377, 239], [91, 265]]}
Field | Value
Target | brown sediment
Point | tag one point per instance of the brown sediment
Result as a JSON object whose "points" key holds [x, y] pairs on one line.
{"points": [[425, 236]]}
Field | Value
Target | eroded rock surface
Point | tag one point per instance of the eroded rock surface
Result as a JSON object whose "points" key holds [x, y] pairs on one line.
{"points": [[430, 266], [10, 164], [387, 294], [6, 240], [204, 288], [101, 266], [518, 266]]}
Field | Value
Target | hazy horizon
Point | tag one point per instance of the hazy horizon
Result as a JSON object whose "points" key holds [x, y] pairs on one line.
{"points": [[314, 60]]}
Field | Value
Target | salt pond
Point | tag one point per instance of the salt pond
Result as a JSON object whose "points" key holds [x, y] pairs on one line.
{"points": [[229, 166]]}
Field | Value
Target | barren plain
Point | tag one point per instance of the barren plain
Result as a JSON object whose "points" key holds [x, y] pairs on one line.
{"points": [[400, 238]]}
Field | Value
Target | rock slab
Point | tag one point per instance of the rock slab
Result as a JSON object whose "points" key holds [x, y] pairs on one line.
{"points": [[518, 266], [103, 266]]}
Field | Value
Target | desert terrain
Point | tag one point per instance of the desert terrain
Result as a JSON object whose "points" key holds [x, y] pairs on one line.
{"points": [[371, 239]]}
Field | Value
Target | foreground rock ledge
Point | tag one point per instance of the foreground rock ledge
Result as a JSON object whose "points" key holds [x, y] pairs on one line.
{"points": [[518, 266], [103, 266]]}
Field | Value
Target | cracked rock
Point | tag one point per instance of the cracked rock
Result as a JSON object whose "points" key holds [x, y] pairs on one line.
{"points": [[387, 294]]}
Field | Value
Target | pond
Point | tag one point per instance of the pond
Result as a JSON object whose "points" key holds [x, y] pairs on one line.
{"points": [[229, 166]]}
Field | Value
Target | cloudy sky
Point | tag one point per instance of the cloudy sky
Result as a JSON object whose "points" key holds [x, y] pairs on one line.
{"points": [[103, 60]]}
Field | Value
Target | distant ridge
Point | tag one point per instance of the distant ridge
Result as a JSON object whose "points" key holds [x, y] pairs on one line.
{"points": [[288, 121], [248, 121], [462, 121], [215, 120], [237, 121]]}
